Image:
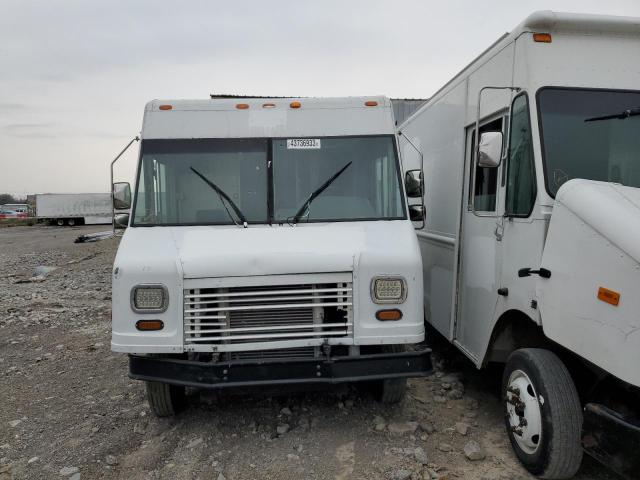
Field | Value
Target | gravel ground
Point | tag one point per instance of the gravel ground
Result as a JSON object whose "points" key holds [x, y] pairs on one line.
{"points": [[68, 409]]}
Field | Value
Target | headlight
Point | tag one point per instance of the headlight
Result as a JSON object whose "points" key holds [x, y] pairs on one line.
{"points": [[149, 298], [388, 290]]}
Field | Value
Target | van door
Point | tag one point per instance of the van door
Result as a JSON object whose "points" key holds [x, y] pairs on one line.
{"points": [[480, 258]]}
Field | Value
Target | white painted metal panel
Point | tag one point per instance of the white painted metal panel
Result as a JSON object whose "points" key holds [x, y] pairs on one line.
{"points": [[219, 118], [592, 243]]}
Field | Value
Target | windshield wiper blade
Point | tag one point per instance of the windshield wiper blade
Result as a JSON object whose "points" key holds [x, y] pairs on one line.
{"points": [[317, 192], [629, 112], [220, 192]]}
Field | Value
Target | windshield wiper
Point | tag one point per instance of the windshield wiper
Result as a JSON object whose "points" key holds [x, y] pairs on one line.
{"points": [[317, 192], [629, 112], [224, 196]]}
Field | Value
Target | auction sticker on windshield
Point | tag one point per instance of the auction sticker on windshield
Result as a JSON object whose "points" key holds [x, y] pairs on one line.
{"points": [[303, 143]]}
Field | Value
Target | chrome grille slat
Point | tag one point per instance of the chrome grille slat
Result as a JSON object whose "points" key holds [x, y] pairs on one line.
{"points": [[271, 299], [264, 315], [273, 335], [260, 292], [267, 307], [278, 327]]}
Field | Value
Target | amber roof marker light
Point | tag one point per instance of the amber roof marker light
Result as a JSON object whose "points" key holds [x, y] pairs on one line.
{"points": [[242, 106], [542, 37], [268, 105], [165, 107], [295, 104], [370, 103]]}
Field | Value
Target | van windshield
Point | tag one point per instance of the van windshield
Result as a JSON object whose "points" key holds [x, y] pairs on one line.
{"points": [[590, 134], [228, 181]]}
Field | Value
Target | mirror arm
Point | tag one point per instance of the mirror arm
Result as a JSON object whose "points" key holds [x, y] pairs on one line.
{"points": [[113, 208], [421, 164], [476, 146]]}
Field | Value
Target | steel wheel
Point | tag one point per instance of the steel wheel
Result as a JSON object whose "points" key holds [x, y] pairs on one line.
{"points": [[524, 411]]}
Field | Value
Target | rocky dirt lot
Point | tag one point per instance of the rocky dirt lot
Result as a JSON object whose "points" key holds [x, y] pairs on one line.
{"points": [[68, 409]]}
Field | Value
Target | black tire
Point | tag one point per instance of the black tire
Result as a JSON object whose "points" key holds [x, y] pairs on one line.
{"points": [[165, 400], [558, 453], [392, 390], [60, 222], [71, 222]]}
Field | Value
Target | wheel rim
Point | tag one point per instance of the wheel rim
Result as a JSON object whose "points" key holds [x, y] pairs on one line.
{"points": [[524, 411]]}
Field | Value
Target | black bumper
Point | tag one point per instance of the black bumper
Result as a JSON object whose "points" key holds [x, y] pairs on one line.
{"points": [[612, 440], [245, 373]]}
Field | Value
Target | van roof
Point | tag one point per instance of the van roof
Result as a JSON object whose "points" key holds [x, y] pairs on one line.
{"points": [[544, 21], [268, 117], [229, 102]]}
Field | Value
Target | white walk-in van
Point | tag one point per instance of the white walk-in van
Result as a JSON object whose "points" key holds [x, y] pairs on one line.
{"points": [[531, 239], [269, 243]]}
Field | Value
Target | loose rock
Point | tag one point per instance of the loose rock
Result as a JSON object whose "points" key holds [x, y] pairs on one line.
{"points": [[473, 451], [444, 447], [402, 474], [282, 429], [401, 428], [67, 471], [421, 456], [462, 428], [111, 460]]}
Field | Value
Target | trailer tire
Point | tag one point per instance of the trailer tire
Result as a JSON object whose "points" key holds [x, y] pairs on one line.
{"points": [[165, 400], [544, 422], [71, 222], [392, 390], [60, 222]]}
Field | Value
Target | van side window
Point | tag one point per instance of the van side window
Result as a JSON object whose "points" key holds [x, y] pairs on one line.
{"points": [[484, 193], [521, 174]]}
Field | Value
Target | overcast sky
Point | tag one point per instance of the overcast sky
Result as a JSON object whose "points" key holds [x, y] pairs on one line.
{"points": [[75, 75]]}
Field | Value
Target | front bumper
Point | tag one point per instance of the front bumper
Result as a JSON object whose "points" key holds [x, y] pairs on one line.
{"points": [[244, 373], [612, 440]]}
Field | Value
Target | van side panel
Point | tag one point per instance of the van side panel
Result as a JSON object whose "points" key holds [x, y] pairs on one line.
{"points": [[439, 134]]}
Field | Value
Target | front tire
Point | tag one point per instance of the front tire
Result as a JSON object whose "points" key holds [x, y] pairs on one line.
{"points": [[165, 400], [392, 390], [543, 413]]}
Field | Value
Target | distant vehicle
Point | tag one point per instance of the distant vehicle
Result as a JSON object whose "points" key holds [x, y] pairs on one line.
{"points": [[531, 240], [22, 209], [270, 243], [74, 208], [10, 214]]}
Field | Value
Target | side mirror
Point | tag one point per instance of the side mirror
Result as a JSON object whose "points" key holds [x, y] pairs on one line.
{"points": [[121, 196], [414, 183], [490, 149], [416, 213], [122, 220]]}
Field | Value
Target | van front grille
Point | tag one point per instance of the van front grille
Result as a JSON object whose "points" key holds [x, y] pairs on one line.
{"points": [[235, 315]]}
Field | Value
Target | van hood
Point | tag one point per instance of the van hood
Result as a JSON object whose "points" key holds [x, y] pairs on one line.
{"points": [[221, 251], [611, 209]]}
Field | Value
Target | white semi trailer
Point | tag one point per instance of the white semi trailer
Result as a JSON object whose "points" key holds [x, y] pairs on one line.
{"points": [[530, 244], [269, 243], [74, 208]]}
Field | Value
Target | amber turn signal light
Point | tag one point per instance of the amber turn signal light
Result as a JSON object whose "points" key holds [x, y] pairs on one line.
{"points": [[149, 325], [165, 107], [542, 37], [609, 296], [389, 315]]}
